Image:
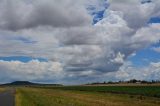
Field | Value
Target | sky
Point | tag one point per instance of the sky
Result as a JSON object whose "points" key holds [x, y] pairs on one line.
{"points": [[76, 42]]}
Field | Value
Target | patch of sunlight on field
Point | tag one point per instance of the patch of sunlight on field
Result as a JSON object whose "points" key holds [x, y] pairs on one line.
{"points": [[2, 89], [18, 98], [53, 97]]}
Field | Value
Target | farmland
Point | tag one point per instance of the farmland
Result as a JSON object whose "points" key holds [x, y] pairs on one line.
{"points": [[2, 89], [153, 91], [88, 96]]}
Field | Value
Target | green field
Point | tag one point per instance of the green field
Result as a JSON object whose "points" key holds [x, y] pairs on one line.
{"points": [[153, 91], [88, 96]]}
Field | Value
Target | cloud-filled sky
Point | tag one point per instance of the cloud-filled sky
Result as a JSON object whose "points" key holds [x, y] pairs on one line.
{"points": [[74, 42]]}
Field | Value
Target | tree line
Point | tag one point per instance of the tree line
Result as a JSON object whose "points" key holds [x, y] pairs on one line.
{"points": [[133, 81]]}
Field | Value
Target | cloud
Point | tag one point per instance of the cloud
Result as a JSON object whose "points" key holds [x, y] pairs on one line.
{"points": [[128, 71], [135, 13], [20, 14], [62, 32], [157, 49], [32, 71], [144, 36]]}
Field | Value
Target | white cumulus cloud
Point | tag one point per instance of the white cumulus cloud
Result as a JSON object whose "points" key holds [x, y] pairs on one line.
{"points": [[62, 32]]}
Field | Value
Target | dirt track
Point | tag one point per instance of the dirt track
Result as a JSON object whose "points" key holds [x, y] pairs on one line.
{"points": [[7, 98]]}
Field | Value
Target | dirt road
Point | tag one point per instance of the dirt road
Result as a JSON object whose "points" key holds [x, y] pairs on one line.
{"points": [[7, 98]]}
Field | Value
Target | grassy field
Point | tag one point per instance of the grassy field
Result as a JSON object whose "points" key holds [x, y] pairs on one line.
{"points": [[2, 89], [153, 91], [59, 97]]}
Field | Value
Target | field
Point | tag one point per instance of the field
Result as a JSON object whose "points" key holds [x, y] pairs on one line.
{"points": [[88, 96], [153, 91], [2, 89]]}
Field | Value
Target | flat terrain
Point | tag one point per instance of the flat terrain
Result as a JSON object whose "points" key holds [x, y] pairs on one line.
{"points": [[152, 90], [7, 97], [76, 96], [2, 89], [145, 95]]}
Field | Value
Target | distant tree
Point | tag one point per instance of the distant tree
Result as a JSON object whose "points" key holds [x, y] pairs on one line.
{"points": [[153, 81], [143, 81], [133, 81], [120, 81], [110, 82]]}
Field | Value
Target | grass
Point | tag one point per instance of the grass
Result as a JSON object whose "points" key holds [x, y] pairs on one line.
{"points": [[58, 97], [2, 89], [153, 91]]}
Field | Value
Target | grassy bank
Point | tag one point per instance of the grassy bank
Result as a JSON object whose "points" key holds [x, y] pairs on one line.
{"points": [[56, 97]]}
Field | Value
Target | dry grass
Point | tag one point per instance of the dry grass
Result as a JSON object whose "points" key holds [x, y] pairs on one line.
{"points": [[2, 89], [52, 97], [18, 98]]}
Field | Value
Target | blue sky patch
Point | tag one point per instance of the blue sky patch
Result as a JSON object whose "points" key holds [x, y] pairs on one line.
{"points": [[145, 56], [98, 16], [98, 13], [25, 40], [146, 1], [22, 59], [154, 20]]}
